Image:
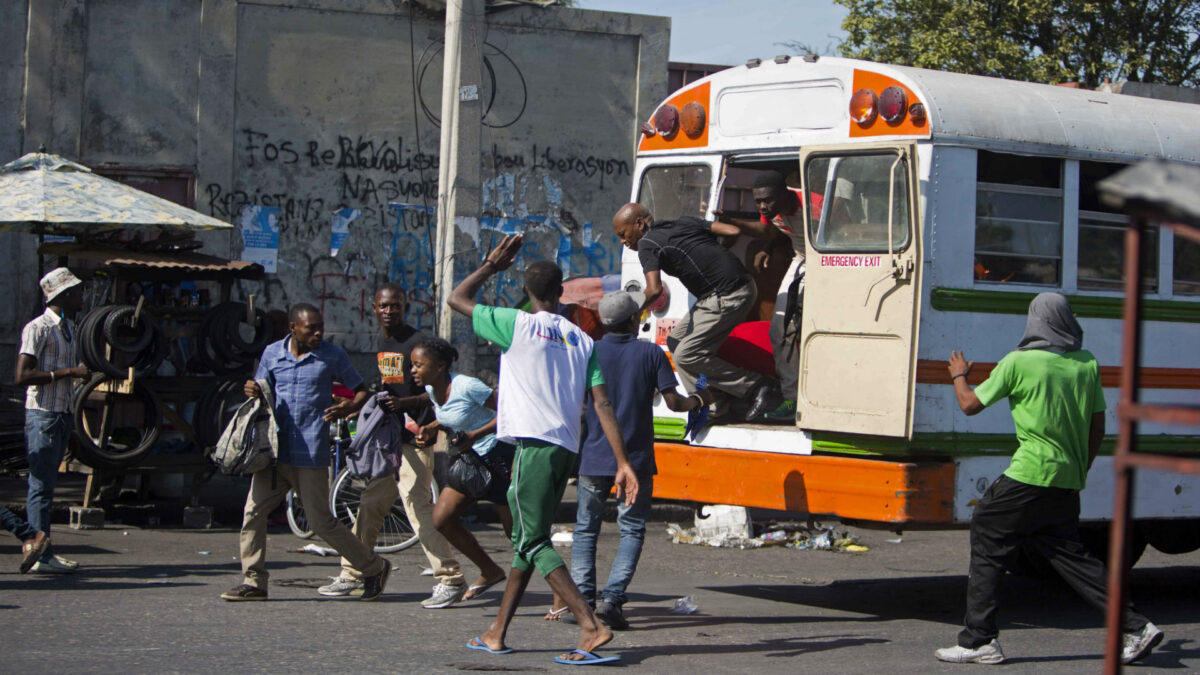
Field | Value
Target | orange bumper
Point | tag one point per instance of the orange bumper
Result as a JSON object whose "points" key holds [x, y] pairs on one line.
{"points": [[847, 487]]}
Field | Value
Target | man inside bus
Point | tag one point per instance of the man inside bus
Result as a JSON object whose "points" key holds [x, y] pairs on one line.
{"points": [[1053, 389], [781, 224], [687, 248]]}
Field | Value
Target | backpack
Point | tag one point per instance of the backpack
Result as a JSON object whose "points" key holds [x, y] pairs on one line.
{"points": [[250, 441], [375, 450]]}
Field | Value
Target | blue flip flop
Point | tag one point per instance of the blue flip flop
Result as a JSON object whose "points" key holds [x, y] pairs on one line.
{"points": [[589, 659], [480, 647]]}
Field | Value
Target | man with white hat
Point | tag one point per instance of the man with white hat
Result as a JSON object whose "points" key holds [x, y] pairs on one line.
{"points": [[46, 365]]}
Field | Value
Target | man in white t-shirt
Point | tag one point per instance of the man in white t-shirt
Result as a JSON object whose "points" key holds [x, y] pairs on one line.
{"points": [[547, 365]]}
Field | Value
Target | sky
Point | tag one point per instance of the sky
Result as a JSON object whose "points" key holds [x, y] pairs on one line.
{"points": [[730, 32]]}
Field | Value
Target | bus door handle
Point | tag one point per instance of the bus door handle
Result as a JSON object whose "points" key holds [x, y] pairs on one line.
{"points": [[901, 271]]}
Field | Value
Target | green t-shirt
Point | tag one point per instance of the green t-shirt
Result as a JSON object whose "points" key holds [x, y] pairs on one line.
{"points": [[1052, 398]]}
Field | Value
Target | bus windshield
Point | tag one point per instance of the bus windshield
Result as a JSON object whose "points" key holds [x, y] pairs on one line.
{"points": [[860, 193], [673, 191]]}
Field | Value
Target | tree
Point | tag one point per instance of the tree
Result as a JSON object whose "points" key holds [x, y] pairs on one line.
{"points": [[1037, 40]]}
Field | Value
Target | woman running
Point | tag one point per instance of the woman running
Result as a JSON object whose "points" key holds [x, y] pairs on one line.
{"points": [[465, 408]]}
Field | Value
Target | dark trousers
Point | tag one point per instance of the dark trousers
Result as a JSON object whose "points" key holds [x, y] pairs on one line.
{"points": [[1013, 513]]}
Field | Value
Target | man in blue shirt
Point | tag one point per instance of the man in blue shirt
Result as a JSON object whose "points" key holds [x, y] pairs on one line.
{"points": [[634, 371], [301, 369]]}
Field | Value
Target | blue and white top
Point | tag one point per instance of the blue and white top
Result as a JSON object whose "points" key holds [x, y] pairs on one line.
{"points": [[464, 409]]}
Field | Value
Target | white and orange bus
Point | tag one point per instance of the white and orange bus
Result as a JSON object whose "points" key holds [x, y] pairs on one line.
{"points": [[961, 197]]}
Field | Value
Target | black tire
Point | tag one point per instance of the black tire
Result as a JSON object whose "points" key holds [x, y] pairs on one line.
{"points": [[92, 342], [297, 521], [1096, 538], [233, 334], [210, 348], [214, 410], [127, 338], [100, 452], [1170, 536]]}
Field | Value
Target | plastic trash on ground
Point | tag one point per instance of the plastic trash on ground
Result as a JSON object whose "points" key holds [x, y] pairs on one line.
{"points": [[724, 529], [685, 605], [561, 535], [316, 549]]}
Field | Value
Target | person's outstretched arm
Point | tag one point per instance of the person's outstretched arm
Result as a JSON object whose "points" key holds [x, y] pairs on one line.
{"points": [[462, 298], [960, 368]]}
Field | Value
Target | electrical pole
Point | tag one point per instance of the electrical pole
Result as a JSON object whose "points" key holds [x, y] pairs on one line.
{"points": [[459, 192]]}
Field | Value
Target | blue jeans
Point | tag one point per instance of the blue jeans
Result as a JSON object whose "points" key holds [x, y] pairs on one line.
{"points": [[592, 493], [46, 435], [15, 524]]}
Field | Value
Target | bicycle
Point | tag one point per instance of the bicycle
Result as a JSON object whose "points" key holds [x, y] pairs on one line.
{"points": [[396, 534]]}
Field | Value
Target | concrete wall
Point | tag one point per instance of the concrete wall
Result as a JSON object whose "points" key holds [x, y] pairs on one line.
{"points": [[319, 105]]}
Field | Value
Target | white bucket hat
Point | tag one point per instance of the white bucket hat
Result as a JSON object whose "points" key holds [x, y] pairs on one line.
{"points": [[57, 281]]}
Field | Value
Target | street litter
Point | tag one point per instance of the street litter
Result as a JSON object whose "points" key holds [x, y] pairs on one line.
{"points": [[795, 535], [562, 536], [685, 605], [897, 540], [425, 571], [316, 549], [205, 552]]}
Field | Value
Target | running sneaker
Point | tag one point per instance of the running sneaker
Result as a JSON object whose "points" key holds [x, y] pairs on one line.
{"points": [[341, 586], [52, 565], [444, 596], [989, 654], [1137, 646], [373, 585]]}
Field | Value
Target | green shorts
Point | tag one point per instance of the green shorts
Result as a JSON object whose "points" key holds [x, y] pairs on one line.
{"points": [[539, 475]]}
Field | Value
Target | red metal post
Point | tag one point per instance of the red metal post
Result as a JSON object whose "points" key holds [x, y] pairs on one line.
{"points": [[1119, 544]]}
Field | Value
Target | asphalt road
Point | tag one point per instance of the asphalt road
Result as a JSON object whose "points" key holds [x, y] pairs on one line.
{"points": [[146, 600]]}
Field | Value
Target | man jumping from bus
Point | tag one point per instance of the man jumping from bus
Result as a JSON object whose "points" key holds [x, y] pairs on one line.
{"points": [[1053, 389], [781, 224], [547, 365], [687, 248]]}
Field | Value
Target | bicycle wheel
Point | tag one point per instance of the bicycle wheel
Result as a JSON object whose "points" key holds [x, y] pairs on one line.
{"points": [[394, 535], [296, 518]]}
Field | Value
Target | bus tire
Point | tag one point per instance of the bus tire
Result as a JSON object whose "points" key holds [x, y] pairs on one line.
{"points": [[1095, 537], [1171, 536]]}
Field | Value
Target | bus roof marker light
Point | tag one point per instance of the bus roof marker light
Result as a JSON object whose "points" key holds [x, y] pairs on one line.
{"points": [[692, 120], [864, 107], [666, 121], [782, 59], [916, 113], [893, 104], [754, 63]]}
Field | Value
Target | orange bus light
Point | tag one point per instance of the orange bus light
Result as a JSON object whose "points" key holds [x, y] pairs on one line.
{"points": [[666, 120], [864, 107]]}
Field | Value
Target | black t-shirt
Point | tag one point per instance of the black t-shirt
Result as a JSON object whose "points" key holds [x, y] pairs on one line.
{"points": [[687, 249], [395, 364]]}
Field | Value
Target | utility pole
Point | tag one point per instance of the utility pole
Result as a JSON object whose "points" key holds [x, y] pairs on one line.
{"points": [[459, 192]]}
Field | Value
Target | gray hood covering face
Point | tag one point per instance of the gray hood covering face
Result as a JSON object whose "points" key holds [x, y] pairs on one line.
{"points": [[1051, 325]]}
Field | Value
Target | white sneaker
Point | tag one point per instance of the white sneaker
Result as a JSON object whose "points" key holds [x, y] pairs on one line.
{"points": [[51, 566], [340, 586], [444, 596], [989, 654], [1136, 645], [66, 563]]}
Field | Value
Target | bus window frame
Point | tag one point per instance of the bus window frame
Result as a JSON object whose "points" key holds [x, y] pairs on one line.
{"points": [[905, 152], [714, 162]]}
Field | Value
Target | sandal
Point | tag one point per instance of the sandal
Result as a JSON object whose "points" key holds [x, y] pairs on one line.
{"points": [[32, 549], [554, 614]]}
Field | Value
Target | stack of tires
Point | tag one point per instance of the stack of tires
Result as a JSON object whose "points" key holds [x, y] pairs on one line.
{"points": [[228, 344], [117, 430]]}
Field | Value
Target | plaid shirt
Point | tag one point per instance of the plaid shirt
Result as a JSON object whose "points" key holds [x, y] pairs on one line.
{"points": [[50, 339], [303, 390]]}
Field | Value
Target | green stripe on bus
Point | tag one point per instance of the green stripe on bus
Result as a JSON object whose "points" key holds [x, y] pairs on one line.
{"points": [[972, 445], [1090, 306]]}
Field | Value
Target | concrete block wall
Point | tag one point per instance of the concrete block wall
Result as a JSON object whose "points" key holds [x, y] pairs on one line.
{"points": [[317, 106]]}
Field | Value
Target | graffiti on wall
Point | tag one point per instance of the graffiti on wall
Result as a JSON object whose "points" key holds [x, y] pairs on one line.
{"points": [[360, 210]]}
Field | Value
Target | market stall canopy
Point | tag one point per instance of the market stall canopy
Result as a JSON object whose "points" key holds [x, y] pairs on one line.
{"points": [[47, 194], [154, 265], [1168, 188]]}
